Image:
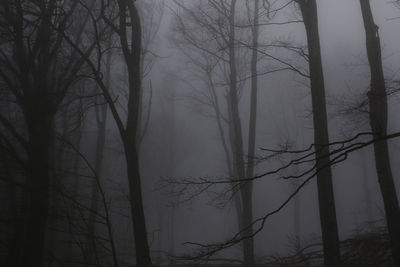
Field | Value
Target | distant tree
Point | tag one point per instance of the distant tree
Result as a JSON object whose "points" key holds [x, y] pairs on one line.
{"points": [[226, 52], [122, 18], [378, 116], [101, 123]]}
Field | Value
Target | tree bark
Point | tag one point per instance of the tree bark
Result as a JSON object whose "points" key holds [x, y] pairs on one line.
{"points": [[39, 122], [366, 190], [378, 120], [329, 229], [132, 54], [33, 50], [253, 96], [39, 114], [237, 145], [248, 189]]}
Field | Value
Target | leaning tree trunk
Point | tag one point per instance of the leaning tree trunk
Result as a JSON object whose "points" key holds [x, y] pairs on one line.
{"points": [[132, 54], [326, 199], [378, 120]]}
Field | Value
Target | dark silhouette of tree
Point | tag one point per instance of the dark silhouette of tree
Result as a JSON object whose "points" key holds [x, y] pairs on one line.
{"points": [[226, 52], [326, 200], [130, 35], [37, 70], [101, 122], [122, 18], [378, 120]]}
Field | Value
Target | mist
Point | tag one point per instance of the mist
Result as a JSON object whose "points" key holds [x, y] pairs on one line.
{"points": [[199, 133]]}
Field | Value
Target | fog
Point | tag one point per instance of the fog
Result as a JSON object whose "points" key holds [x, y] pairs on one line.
{"points": [[119, 150]]}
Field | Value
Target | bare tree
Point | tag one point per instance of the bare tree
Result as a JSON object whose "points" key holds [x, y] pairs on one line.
{"points": [[225, 53], [122, 18], [215, 40], [101, 123], [378, 120], [338, 153], [38, 70], [96, 247], [326, 200]]}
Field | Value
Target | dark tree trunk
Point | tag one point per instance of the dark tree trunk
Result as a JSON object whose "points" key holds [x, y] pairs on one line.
{"points": [[378, 119], [237, 146], [132, 54], [38, 105], [13, 222], [326, 199], [253, 96], [140, 233], [297, 210], [69, 252], [366, 189], [39, 113], [248, 188], [34, 51], [101, 121], [39, 122]]}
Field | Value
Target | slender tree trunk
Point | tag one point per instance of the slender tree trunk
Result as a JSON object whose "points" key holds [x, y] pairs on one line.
{"points": [[101, 120], [367, 196], [132, 54], [378, 119], [137, 211], [237, 140], [296, 218], [171, 168], [297, 211], [218, 118], [234, 174], [253, 97], [326, 199], [75, 186], [248, 188]]}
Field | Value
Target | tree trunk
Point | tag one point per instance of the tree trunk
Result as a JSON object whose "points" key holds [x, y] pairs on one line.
{"points": [[69, 253], [39, 122], [132, 54], [378, 120], [297, 209], [253, 97], [101, 120], [137, 211], [248, 188], [367, 196], [237, 145], [326, 200]]}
